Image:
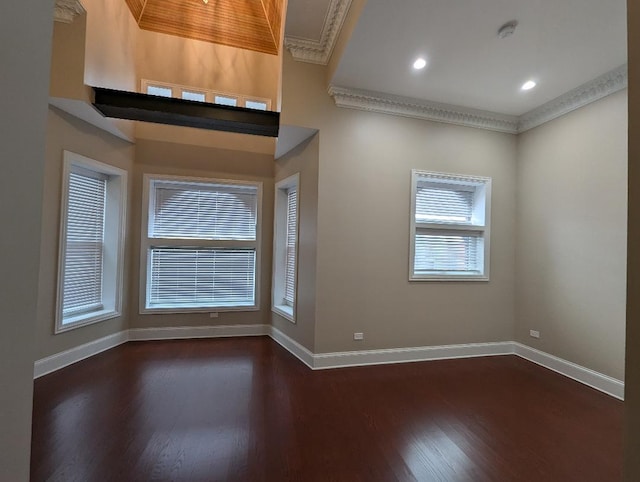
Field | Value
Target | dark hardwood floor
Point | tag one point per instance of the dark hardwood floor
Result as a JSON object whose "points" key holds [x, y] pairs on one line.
{"points": [[247, 410]]}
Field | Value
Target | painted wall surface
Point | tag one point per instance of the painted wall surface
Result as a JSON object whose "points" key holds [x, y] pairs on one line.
{"points": [[154, 157], [25, 36], [632, 373], [365, 162], [571, 241], [111, 40], [303, 160], [68, 59], [176, 60], [65, 132]]}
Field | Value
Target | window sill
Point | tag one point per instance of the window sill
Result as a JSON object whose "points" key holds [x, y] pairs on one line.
{"points": [[449, 278], [285, 311], [86, 319], [169, 310]]}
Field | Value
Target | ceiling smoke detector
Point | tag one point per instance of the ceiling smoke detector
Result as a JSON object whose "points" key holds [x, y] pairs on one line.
{"points": [[508, 29]]}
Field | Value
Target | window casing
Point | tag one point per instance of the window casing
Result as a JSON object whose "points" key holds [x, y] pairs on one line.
{"points": [[200, 245], [285, 251], [450, 227], [91, 256]]}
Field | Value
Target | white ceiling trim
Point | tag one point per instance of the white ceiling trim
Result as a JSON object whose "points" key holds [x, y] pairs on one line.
{"points": [[66, 10], [409, 107], [598, 88], [319, 51]]}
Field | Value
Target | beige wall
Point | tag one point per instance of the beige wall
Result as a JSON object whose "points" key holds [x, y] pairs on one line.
{"points": [[25, 36], [68, 133], [68, 59], [167, 58], [571, 242], [154, 157], [303, 160], [632, 375], [111, 39], [365, 161]]}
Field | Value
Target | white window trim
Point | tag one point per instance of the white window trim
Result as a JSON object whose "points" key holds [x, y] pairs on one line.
{"points": [[485, 229], [146, 243], [116, 206], [279, 247], [176, 92]]}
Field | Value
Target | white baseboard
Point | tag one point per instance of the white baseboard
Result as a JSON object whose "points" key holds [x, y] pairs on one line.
{"points": [[323, 361], [293, 347], [187, 332], [603, 383], [406, 355], [60, 360]]}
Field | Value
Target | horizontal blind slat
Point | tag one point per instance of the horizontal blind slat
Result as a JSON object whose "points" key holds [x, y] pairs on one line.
{"points": [[84, 244]]}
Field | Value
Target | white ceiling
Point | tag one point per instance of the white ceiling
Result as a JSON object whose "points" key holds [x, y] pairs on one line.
{"points": [[559, 43], [305, 18]]}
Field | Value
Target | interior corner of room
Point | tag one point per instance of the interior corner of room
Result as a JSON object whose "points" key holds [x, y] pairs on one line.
{"points": [[378, 164]]}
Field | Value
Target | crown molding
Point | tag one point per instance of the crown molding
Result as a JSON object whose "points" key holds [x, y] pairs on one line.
{"points": [[605, 85], [432, 111], [66, 10], [596, 89], [319, 51]]}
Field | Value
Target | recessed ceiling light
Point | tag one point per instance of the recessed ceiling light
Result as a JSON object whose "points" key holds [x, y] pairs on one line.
{"points": [[420, 64], [528, 85]]}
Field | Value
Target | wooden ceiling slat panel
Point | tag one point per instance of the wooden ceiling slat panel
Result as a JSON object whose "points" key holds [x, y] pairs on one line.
{"points": [[247, 24], [136, 7], [273, 10]]}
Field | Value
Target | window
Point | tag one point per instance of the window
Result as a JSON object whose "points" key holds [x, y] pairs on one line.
{"points": [[195, 96], [449, 227], [164, 89], [224, 100], [255, 104], [200, 245], [285, 247], [91, 242], [159, 91]]}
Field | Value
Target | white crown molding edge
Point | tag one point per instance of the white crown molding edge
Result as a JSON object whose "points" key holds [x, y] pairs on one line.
{"points": [[425, 110], [319, 51], [596, 89], [382, 103], [586, 376], [66, 10], [324, 361]]}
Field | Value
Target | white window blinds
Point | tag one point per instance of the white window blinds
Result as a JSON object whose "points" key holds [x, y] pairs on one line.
{"points": [[449, 230], [202, 245], [84, 244], [290, 261], [197, 211], [190, 277], [444, 204]]}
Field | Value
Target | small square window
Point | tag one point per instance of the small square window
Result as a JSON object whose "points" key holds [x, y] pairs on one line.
{"points": [[224, 100], [195, 96], [159, 91], [449, 227], [256, 104]]}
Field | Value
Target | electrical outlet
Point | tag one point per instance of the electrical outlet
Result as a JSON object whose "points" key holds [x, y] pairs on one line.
{"points": [[213, 315], [534, 334], [358, 336]]}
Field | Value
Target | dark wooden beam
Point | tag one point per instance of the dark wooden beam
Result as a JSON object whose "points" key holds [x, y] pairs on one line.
{"points": [[178, 112]]}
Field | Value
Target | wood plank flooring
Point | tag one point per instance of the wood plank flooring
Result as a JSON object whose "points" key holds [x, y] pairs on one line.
{"points": [[247, 410]]}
